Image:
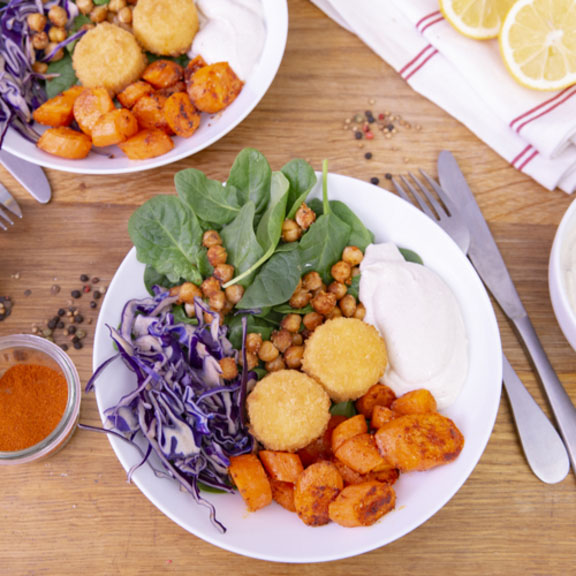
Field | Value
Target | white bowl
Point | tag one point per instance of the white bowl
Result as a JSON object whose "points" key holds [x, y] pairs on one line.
{"points": [[211, 128], [562, 289], [273, 533]]}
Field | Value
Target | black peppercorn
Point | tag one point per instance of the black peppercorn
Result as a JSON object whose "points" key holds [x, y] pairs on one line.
{"points": [[76, 294]]}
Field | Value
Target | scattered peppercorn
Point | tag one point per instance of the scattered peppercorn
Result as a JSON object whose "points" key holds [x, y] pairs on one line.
{"points": [[71, 329], [95, 280], [368, 155], [78, 345], [61, 311], [64, 347], [96, 295], [358, 135], [86, 289], [93, 304], [79, 319], [374, 180], [75, 294], [5, 307], [84, 278]]}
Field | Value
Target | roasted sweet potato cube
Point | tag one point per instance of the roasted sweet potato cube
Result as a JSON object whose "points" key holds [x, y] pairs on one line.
{"points": [[419, 441], [89, 106], [347, 429], [315, 488], [360, 453], [194, 64], [147, 144], [418, 401], [174, 89], [281, 466], [381, 415], [58, 111], [163, 73], [114, 127], [250, 478], [149, 112], [133, 92], [321, 448], [283, 493], [362, 504], [214, 87], [386, 475], [65, 143], [181, 115], [377, 395]]}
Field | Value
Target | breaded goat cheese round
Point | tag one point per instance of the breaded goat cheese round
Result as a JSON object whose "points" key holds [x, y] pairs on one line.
{"points": [[346, 356], [165, 27], [287, 410], [108, 56]]}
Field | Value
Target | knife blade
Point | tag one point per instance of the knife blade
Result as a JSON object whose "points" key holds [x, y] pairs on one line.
{"points": [[490, 265], [9, 202], [30, 175]]}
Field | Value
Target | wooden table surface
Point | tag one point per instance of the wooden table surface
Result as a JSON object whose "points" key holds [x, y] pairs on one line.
{"points": [[75, 513]]}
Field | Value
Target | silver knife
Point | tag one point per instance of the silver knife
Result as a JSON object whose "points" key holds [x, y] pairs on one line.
{"points": [[490, 265], [9, 202], [30, 175]]}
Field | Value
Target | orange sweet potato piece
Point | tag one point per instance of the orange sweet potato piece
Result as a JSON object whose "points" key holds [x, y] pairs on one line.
{"points": [[315, 488], [377, 395], [214, 87], [114, 127], [163, 73], [381, 415], [194, 64], [387, 475], [174, 89], [89, 106], [320, 449], [415, 402], [149, 112], [133, 92], [181, 115], [283, 493], [347, 429], [250, 478], [360, 453], [58, 111], [362, 504], [65, 142], [281, 466], [419, 441], [147, 144]]}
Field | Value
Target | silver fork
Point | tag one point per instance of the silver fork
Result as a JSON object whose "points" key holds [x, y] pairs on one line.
{"points": [[542, 445], [5, 218]]}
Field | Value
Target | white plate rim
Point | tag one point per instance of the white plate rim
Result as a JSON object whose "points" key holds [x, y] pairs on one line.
{"points": [[491, 357]]}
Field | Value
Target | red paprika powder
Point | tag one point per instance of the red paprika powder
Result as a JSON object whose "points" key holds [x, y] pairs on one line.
{"points": [[33, 399]]}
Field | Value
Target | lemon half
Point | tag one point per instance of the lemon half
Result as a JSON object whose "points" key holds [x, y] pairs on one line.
{"points": [[538, 43], [480, 19]]}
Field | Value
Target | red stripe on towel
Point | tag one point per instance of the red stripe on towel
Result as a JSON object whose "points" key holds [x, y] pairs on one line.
{"points": [[408, 76], [528, 160], [544, 112], [429, 20], [519, 157], [552, 101], [415, 59]]}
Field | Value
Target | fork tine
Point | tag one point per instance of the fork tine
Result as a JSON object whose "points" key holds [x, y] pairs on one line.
{"points": [[6, 217], [433, 202], [401, 191], [423, 206], [441, 193]]}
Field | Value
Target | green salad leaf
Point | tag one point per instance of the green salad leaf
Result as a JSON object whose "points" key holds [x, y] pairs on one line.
{"points": [[64, 76], [302, 179]]}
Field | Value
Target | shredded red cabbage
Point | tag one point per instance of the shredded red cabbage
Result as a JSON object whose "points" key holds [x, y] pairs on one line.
{"points": [[189, 416]]}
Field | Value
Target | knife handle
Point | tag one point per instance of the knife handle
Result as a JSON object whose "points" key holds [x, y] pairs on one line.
{"points": [[560, 403]]}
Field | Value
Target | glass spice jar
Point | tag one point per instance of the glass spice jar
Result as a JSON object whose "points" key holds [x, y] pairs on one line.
{"points": [[33, 352]]}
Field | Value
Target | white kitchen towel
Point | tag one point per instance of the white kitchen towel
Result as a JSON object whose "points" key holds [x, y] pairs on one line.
{"points": [[396, 39]]}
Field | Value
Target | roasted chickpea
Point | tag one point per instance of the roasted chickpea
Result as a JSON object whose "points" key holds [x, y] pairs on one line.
{"points": [[40, 67], [229, 368], [57, 35], [341, 271], [324, 302], [305, 217], [300, 299], [348, 306], [99, 14], [291, 322], [275, 365], [211, 238], [85, 6], [297, 339], [352, 255], [291, 232], [336, 313], [58, 16], [224, 272], [116, 5], [217, 301], [312, 320], [282, 339], [293, 357], [355, 271], [217, 255], [111, 17], [253, 342], [40, 41], [339, 289], [234, 293], [312, 281], [268, 351], [251, 360], [360, 311], [125, 15], [188, 292], [210, 286], [228, 307], [58, 55], [36, 22]]}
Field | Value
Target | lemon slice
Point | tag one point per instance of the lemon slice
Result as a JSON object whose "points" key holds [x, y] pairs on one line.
{"points": [[538, 43], [480, 19]]}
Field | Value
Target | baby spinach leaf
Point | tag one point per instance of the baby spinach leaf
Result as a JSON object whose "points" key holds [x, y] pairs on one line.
{"points": [[251, 175], [411, 256], [167, 236], [275, 282], [302, 179], [209, 199], [65, 76], [153, 278], [287, 309], [344, 409], [354, 287], [316, 205], [240, 241], [360, 236]]}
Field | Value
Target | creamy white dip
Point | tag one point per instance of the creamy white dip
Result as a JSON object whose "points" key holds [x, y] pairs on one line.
{"points": [[419, 317], [568, 263], [231, 31]]}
